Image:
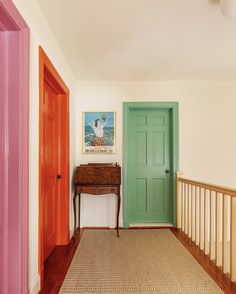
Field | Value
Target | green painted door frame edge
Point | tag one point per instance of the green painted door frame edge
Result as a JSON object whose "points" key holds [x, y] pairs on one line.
{"points": [[174, 111]]}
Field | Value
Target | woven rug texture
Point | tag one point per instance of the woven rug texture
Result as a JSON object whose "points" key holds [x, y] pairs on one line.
{"points": [[140, 261]]}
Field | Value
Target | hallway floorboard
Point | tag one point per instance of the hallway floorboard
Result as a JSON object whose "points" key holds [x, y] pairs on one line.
{"points": [[57, 264]]}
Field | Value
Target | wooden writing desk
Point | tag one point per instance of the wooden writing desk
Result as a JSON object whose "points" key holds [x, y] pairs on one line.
{"points": [[97, 179]]}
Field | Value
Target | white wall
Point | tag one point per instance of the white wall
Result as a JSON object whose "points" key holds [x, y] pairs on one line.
{"points": [[41, 35], [206, 131]]}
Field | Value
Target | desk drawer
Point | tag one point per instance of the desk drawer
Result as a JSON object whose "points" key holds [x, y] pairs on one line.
{"points": [[97, 190]]}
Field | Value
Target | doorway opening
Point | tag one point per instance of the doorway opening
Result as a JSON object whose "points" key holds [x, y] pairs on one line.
{"points": [[53, 161], [14, 120], [150, 163]]}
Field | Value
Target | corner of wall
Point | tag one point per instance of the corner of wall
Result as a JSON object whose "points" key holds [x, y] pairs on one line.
{"points": [[35, 286]]}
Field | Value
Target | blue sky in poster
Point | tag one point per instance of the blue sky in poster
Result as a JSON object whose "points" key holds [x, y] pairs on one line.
{"points": [[92, 116]]}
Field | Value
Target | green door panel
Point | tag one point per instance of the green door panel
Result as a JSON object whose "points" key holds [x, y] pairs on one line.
{"points": [[149, 157]]}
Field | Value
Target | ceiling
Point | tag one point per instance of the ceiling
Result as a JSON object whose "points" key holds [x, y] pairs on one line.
{"points": [[144, 40]]}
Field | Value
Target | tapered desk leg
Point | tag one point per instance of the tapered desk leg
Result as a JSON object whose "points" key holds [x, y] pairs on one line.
{"points": [[118, 212], [79, 213], [74, 205]]}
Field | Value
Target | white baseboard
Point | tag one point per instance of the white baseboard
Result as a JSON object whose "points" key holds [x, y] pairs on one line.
{"points": [[71, 233], [35, 286], [151, 225]]}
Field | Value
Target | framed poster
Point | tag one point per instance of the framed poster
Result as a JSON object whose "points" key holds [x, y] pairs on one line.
{"points": [[99, 132]]}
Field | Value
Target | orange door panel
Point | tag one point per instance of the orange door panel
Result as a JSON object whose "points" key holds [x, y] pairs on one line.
{"points": [[50, 192]]}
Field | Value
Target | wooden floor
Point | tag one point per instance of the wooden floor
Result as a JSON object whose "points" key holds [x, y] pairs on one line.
{"points": [[58, 262]]}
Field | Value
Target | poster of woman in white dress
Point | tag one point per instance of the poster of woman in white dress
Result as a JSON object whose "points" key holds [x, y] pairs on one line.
{"points": [[99, 132]]}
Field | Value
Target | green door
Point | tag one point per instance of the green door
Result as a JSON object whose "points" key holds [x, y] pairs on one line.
{"points": [[149, 167]]}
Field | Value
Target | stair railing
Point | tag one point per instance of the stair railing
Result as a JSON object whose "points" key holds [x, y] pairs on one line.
{"points": [[206, 213]]}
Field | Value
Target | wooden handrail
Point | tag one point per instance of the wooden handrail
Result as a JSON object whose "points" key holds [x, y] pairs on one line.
{"points": [[211, 187]]}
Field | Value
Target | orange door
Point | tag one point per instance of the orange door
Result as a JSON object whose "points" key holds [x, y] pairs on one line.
{"points": [[49, 191], [54, 194]]}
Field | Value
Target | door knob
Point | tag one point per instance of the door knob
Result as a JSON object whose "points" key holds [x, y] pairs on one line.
{"points": [[167, 171], [58, 177]]}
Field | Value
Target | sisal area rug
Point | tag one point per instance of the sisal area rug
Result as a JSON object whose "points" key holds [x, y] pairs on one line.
{"points": [[140, 261]]}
